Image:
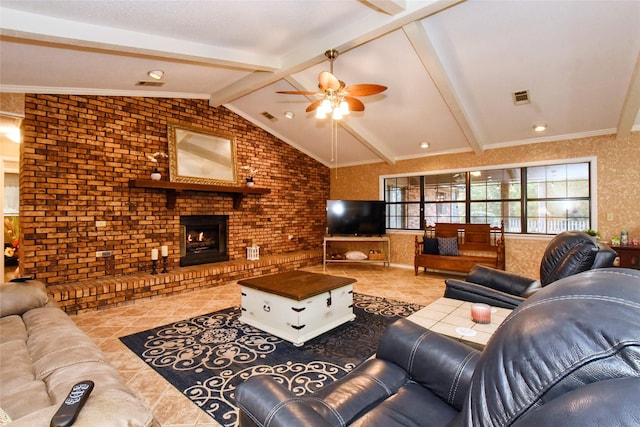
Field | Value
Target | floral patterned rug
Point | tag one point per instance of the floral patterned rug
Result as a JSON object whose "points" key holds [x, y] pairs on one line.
{"points": [[207, 356]]}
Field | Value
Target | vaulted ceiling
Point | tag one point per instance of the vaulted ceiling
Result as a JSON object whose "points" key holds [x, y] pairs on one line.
{"points": [[451, 67]]}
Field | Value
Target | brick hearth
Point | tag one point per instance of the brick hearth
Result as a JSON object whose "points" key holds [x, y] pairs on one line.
{"points": [[95, 294]]}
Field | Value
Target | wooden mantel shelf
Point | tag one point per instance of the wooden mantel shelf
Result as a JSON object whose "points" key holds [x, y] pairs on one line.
{"points": [[173, 188]]}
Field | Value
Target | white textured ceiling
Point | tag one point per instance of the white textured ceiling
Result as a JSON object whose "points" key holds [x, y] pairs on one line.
{"points": [[450, 66]]}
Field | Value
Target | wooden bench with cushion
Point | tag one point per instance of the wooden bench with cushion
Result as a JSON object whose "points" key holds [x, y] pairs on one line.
{"points": [[458, 247]]}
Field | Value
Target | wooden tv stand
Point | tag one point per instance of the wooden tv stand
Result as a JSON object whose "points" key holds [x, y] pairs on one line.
{"points": [[384, 257]]}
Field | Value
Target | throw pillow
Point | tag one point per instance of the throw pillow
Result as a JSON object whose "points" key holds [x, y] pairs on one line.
{"points": [[430, 246], [355, 255], [448, 245]]}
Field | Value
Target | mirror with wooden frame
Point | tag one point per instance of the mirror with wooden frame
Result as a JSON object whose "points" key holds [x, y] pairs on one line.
{"points": [[200, 156]]}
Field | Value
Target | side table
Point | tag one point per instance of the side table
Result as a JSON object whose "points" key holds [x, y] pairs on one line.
{"points": [[629, 256], [452, 317]]}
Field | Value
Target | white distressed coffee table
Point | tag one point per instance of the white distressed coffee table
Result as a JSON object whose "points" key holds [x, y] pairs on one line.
{"points": [[452, 317], [297, 305]]}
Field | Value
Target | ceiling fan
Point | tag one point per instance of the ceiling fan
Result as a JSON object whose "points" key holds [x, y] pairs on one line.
{"points": [[336, 98]]}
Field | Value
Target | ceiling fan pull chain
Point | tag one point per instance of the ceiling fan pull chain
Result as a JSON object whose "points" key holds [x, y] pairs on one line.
{"points": [[334, 140], [334, 144]]}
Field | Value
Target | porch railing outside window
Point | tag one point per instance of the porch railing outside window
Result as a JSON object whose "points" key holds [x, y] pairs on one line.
{"points": [[535, 200]]}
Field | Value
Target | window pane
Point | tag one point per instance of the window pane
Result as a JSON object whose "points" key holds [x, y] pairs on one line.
{"points": [[403, 216], [447, 187], [11, 194], [498, 184], [445, 212], [558, 181], [553, 217], [402, 189], [495, 212]]}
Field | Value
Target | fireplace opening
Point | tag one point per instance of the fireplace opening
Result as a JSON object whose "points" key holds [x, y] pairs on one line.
{"points": [[203, 239]]}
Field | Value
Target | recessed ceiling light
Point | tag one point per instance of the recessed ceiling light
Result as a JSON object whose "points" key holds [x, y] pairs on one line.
{"points": [[540, 126], [425, 145], [289, 115], [156, 74]]}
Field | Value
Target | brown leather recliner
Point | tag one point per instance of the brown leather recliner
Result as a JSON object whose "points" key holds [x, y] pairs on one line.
{"points": [[569, 253]]}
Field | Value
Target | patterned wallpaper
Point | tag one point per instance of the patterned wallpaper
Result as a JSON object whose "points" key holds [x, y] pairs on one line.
{"points": [[618, 191]]}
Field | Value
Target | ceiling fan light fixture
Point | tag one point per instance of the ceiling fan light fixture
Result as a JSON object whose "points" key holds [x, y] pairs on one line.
{"points": [[326, 105], [156, 74], [335, 99], [344, 107], [540, 126]]}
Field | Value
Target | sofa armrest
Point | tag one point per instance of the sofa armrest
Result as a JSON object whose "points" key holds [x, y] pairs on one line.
{"points": [[18, 298], [438, 363], [264, 401], [605, 257], [467, 291], [499, 280], [608, 402]]}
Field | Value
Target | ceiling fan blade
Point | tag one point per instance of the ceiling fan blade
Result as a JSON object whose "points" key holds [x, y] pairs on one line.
{"points": [[365, 89], [298, 92], [354, 103], [326, 80], [313, 105]]}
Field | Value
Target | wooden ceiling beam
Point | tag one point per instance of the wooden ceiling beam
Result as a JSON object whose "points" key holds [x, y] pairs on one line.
{"points": [[427, 54], [631, 106], [342, 39]]}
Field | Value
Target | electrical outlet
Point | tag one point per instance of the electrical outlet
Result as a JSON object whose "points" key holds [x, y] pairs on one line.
{"points": [[610, 216], [101, 223], [103, 254]]}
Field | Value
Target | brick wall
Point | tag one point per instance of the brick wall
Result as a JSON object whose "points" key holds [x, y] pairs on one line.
{"points": [[79, 153]]}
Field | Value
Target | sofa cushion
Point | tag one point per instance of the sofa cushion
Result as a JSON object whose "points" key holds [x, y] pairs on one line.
{"points": [[448, 246], [55, 342], [430, 246], [13, 329], [412, 405], [18, 298]]}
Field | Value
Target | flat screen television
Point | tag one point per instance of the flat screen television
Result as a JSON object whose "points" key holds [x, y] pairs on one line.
{"points": [[356, 217]]}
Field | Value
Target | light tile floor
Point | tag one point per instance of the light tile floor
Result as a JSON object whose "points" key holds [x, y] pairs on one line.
{"points": [[169, 406]]}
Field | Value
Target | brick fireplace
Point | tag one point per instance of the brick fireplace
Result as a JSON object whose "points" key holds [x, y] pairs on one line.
{"points": [[80, 152]]}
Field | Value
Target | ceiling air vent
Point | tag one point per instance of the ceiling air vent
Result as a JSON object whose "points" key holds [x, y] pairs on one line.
{"points": [[269, 116], [521, 97], [145, 83]]}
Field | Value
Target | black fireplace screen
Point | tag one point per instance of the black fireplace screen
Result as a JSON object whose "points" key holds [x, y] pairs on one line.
{"points": [[203, 239]]}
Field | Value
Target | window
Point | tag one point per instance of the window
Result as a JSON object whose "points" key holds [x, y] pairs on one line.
{"points": [[536, 200]]}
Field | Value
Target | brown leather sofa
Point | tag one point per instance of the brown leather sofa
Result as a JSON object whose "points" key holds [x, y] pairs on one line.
{"points": [[43, 354]]}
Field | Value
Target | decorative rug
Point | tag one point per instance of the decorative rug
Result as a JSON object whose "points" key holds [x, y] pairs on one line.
{"points": [[207, 356]]}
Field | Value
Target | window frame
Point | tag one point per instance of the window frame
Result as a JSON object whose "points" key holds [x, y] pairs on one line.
{"points": [[591, 198]]}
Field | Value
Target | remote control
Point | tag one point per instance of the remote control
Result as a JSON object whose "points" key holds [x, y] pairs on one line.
{"points": [[21, 279], [68, 411]]}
